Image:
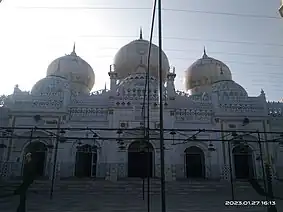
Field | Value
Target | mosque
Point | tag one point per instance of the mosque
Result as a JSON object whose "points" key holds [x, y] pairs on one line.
{"points": [[211, 101]]}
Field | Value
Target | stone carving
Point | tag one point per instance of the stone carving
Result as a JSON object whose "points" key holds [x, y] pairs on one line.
{"points": [[48, 104], [193, 114]]}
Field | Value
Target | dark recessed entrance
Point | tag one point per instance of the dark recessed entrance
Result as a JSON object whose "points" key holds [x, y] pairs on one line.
{"points": [[140, 160], [38, 152], [243, 162], [194, 160], [86, 161]]}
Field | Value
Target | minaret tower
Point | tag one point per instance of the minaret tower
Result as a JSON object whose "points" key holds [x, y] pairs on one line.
{"points": [[170, 83], [113, 77]]}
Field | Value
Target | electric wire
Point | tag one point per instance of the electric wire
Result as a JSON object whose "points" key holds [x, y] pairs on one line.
{"points": [[210, 52], [148, 8], [181, 140], [265, 56], [226, 61], [184, 38], [8, 129]]}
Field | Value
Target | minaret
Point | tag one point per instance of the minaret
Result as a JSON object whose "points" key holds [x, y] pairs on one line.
{"points": [[113, 78], [170, 83]]}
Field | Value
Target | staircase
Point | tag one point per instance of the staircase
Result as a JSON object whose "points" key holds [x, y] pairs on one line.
{"points": [[127, 195]]}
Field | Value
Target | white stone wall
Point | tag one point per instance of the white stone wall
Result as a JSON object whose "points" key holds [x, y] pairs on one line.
{"points": [[180, 112]]}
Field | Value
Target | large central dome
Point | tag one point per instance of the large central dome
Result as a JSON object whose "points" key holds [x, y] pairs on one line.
{"points": [[135, 54]]}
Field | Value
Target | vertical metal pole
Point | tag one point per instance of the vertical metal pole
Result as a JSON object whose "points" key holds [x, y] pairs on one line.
{"points": [[11, 139], [55, 158], [262, 164], [223, 143], [162, 178], [148, 176], [142, 188], [271, 208], [148, 121], [230, 170]]}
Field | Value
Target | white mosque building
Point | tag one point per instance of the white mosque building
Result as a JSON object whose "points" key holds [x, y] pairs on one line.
{"points": [[212, 101]]}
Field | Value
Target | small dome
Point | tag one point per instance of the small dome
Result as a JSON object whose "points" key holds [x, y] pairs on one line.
{"points": [[135, 54], [204, 72], [75, 69], [50, 84], [229, 88]]}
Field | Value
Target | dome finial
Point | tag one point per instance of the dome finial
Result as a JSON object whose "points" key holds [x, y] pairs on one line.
{"points": [[74, 49], [204, 53], [141, 33]]}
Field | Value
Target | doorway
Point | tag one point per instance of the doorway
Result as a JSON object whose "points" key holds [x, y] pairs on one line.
{"points": [[140, 160], [195, 164], [38, 152], [243, 162], [86, 161]]}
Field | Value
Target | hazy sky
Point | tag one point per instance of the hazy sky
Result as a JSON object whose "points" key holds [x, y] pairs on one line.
{"points": [[250, 43]]}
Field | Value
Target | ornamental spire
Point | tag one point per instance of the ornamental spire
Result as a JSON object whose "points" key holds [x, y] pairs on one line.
{"points": [[141, 33], [204, 53], [74, 49]]}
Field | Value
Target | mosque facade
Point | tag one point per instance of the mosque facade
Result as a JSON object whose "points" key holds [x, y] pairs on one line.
{"points": [[104, 136]]}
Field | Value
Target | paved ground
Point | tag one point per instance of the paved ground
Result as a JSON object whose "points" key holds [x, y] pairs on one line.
{"points": [[127, 197]]}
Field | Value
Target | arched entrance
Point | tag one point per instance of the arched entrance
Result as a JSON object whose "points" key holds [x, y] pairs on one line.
{"points": [[86, 161], [195, 162], [140, 160], [243, 162], [38, 152]]}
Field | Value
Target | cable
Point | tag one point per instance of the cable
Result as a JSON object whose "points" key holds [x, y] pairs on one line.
{"points": [[114, 139], [210, 52], [236, 62], [148, 8], [134, 129], [189, 39], [226, 61]]}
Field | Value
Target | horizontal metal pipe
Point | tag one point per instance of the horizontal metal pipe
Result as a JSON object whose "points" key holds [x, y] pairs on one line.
{"points": [[136, 129], [135, 138]]}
